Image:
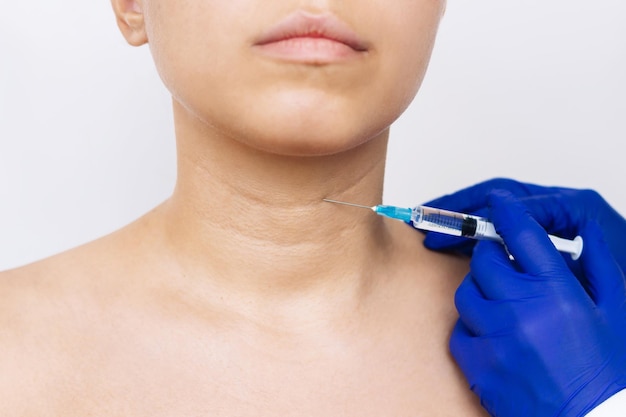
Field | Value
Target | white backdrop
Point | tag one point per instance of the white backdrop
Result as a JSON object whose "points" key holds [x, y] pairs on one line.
{"points": [[530, 89]]}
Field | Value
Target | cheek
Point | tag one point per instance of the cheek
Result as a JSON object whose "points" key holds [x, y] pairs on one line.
{"points": [[190, 41], [407, 45]]}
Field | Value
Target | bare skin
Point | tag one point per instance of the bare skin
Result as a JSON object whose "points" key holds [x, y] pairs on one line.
{"points": [[93, 332], [244, 294]]}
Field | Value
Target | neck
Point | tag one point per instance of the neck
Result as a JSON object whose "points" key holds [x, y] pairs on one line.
{"points": [[255, 222]]}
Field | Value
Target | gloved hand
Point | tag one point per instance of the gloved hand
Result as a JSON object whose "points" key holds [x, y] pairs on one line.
{"points": [[561, 211], [530, 340]]}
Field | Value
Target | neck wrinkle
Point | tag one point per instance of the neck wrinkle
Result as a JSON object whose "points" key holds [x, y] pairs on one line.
{"points": [[255, 223]]}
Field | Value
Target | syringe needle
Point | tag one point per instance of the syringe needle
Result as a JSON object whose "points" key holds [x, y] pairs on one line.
{"points": [[348, 204]]}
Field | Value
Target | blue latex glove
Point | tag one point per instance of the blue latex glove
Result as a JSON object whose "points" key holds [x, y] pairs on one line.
{"points": [[561, 211], [530, 340]]}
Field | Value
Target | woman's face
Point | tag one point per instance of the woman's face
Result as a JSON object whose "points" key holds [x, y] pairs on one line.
{"points": [[293, 77]]}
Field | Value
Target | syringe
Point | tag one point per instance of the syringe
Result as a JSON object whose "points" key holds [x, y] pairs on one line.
{"points": [[458, 224]]}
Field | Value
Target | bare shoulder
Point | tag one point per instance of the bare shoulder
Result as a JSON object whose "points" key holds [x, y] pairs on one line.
{"points": [[49, 284], [29, 295], [47, 298], [38, 305], [78, 277], [48, 311]]}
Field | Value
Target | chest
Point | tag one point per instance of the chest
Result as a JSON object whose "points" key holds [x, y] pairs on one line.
{"points": [[223, 377]]}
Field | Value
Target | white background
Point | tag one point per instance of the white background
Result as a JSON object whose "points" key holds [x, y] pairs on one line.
{"points": [[529, 89]]}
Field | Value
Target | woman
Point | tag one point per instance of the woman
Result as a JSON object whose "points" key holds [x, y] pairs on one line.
{"points": [[244, 293]]}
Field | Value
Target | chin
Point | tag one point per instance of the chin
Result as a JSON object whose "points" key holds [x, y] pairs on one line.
{"points": [[303, 143], [313, 130], [306, 137]]}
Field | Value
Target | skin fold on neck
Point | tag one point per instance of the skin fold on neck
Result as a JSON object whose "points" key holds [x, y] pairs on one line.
{"points": [[255, 222]]}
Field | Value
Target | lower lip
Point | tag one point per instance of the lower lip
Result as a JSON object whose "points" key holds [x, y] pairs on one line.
{"points": [[309, 50]]}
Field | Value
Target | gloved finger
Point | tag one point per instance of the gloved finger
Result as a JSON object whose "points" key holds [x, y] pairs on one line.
{"points": [[499, 279], [525, 239], [605, 278], [466, 352], [477, 358], [458, 338], [556, 214], [472, 200], [486, 363], [566, 212], [479, 315], [559, 216], [441, 242]]}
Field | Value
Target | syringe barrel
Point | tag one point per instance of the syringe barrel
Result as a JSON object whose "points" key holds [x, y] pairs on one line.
{"points": [[453, 223], [475, 227]]}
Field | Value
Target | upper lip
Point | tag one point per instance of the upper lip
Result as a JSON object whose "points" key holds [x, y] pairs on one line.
{"points": [[301, 24]]}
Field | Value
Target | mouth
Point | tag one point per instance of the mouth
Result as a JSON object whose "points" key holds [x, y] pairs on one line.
{"points": [[309, 38]]}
